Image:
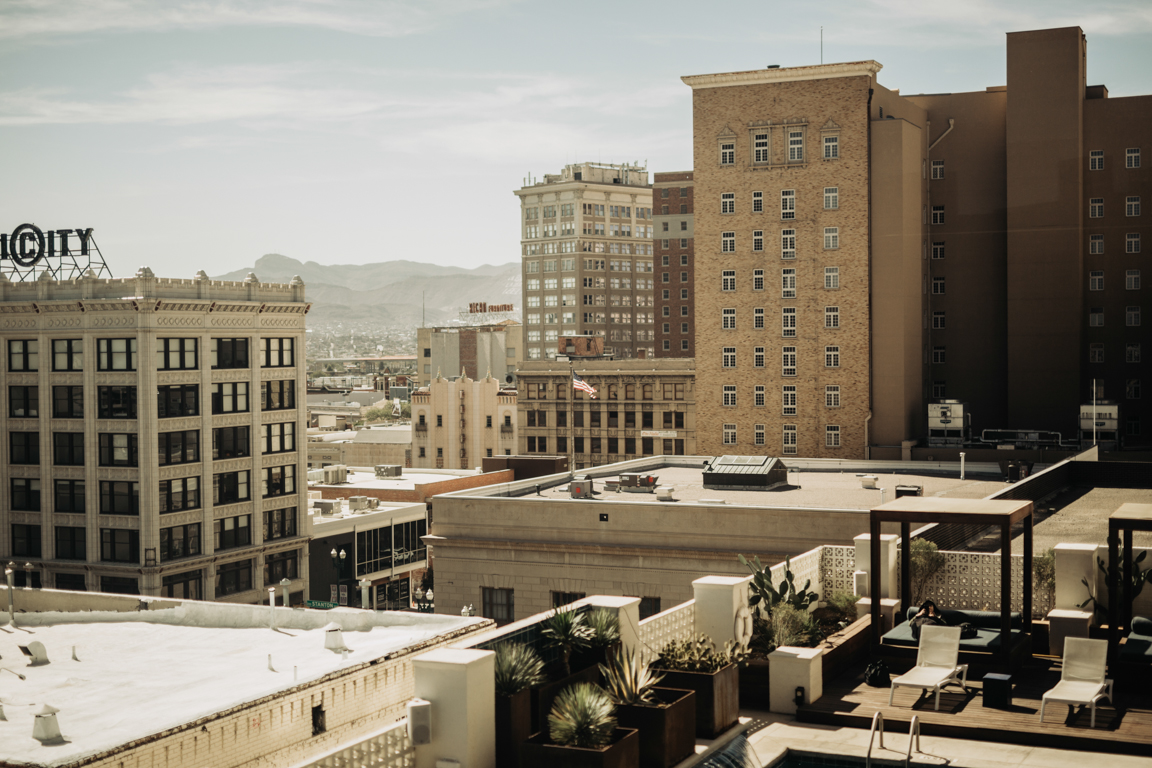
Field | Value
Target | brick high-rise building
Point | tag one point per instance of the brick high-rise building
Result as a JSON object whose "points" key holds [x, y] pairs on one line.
{"points": [[862, 252], [675, 264], [587, 256]]}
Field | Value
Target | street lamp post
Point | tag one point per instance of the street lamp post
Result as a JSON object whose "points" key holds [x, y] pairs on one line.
{"points": [[424, 600], [338, 559]]}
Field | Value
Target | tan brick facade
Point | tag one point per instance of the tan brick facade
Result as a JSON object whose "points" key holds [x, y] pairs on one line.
{"points": [[734, 115]]}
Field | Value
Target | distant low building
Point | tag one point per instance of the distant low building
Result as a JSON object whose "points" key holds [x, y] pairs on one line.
{"points": [[362, 448], [497, 348], [458, 422]]}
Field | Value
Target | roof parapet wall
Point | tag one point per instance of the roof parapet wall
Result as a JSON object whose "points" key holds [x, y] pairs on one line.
{"points": [[145, 285]]}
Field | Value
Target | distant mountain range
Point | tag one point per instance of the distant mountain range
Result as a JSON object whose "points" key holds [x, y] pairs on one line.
{"points": [[389, 292]]}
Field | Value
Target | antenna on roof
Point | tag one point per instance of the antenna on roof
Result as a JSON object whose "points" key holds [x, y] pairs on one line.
{"points": [[821, 45]]}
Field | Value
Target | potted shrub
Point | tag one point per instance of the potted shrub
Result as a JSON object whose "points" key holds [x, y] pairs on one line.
{"points": [[665, 717], [696, 665], [518, 668], [754, 677], [569, 633], [582, 733], [605, 638]]}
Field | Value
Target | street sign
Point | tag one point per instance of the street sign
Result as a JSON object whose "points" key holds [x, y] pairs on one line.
{"points": [[322, 604]]}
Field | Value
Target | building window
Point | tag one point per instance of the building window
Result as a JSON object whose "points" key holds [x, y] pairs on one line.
{"points": [[760, 148], [757, 279], [788, 283], [178, 400], [832, 396], [937, 169], [937, 250], [234, 578], [24, 447], [727, 155], [939, 389], [23, 355], [1132, 206], [26, 541], [67, 355], [1132, 389], [68, 449], [728, 319], [177, 354], [67, 402], [939, 355], [938, 286], [728, 357], [832, 436], [281, 438], [831, 357], [71, 544], [1096, 317], [831, 147], [831, 317], [230, 397], [231, 487], [118, 545], [758, 240], [1096, 160], [789, 399], [179, 494], [279, 481], [758, 357], [1132, 157], [728, 280], [787, 243], [1096, 208], [790, 439], [1096, 352], [729, 434], [796, 145], [498, 604], [758, 396], [175, 447], [758, 434], [730, 395], [788, 322], [1132, 316], [788, 204], [831, 198], [937, 214], [117, 402], [788, 359], [26, 494], [180, 541], [232, 532], [757, 318], [1132, 242], [119, 497], [279, 523], [757, 207], [1132, 280], [727, 202], [115, 354], [727, 242], [278, 353], [1132, 352], [832, 278], [69, 496], [1096, 280], [280, 566], [938, 321], [233, 353], [24, 402], [1095, 244]]}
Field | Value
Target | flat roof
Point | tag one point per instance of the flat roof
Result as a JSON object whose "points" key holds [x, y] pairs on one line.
{"points": [[406, 482], [142, 673], [936, 509], [1079, 515], [827, 490]]}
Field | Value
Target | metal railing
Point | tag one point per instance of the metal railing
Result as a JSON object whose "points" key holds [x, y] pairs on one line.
{"points": [[388, 747], [877, 720]]}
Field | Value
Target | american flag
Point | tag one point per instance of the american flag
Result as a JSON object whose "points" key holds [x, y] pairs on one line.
{"points": [[583, 386]]}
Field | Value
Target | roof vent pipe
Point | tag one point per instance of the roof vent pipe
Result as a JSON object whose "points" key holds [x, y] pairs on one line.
{"points": [[334, 638], [10, 572], [46, 729], [35, 651]]}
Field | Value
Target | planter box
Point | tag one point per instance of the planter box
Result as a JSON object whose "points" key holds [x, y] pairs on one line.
{"points": [[754, 684], [592, 657], [847, 647], [717, 697], [667, 729], [513, 726], [544, 695], [624, 752]]}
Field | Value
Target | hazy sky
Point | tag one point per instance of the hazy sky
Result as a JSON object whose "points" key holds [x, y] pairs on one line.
{"points": [[201, 134]]}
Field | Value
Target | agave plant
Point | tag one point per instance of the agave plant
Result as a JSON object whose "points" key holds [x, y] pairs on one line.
{"points": [[568, 631], [582, 716], [518, 667], [628, 680], [605, 625]]}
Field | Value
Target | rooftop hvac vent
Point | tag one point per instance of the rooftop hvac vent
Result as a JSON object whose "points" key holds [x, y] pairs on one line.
{"points": [[580, 489], [357, 503], [334, 638], [328, 507], [389, 470], [36, 653], [745, 473], [45, 728]]}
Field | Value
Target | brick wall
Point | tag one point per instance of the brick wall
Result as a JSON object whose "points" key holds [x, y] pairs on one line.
{"points": [[422, 491]]}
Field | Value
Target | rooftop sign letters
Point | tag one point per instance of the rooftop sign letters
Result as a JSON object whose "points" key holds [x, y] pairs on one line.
{"points": [[65, 253], [479, 307]]}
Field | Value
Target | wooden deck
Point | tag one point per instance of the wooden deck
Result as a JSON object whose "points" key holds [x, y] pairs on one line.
{"points": [[847, 701]]}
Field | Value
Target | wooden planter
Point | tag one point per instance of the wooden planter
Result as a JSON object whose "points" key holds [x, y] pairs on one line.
{"points": [[513, 726], [717, 697], [667, 729], [623, 752], [847, 647], [754, 684], [544, 695], [592, 657]]}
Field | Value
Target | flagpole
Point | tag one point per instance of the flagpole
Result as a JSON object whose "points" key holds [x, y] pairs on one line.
{"points": [[571, 417]]}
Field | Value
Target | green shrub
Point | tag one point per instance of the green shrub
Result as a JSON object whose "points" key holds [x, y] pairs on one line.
{"points": [[518, 667], [844, 603], [568, 631], [926, 562], [582, 716], [789, 626], [699, 655]]}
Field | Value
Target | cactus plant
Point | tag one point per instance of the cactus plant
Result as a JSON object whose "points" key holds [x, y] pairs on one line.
{"points": [[765, 597]]}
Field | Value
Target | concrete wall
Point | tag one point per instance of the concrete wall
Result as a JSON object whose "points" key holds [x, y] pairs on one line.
{"points": [[421, 491]]}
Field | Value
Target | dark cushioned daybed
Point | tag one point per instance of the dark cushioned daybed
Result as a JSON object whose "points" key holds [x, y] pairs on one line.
{"points": [[1137, 649], [987, 625]]}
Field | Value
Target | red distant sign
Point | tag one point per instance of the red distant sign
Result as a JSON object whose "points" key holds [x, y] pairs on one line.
{"points": [[478, 307]]}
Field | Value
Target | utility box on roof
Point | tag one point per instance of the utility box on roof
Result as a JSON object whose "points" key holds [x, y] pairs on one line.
{"points": [[638, 482]]}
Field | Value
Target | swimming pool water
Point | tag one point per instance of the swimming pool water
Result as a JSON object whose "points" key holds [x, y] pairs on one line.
{"points": [[815, 760]]}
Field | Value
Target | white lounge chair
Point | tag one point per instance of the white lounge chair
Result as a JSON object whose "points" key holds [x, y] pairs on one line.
{"points": [[1082, 680], [936, 664]]}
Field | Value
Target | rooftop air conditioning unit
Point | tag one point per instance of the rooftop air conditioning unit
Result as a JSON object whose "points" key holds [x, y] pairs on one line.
{"points": [[357, 502], [337, 473], [373, 503], [580, 489], [389, 470], [328, 506]]}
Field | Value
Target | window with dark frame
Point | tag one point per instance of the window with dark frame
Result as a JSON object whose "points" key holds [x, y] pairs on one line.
{"points": [[71, 544], [179, 541], [177, 400], [26, 494], [277, 353], [498, 604], [279, 481], [119, 497], [233, 578], [67, 354], [232, 532], [26, 540], [230, 397], [119, 545], [229, 353], [69, 496], [280, 438], [231, 442], [68, 449], [279, 523], [115, 354], [177, 354], [179, 494], [116, 402], [181, 447], [231, 487], [24, 402], [282, 565], [23, 355], [67, 402], [278, 395]]}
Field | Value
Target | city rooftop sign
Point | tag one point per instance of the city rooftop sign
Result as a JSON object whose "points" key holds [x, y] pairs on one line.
{"points": [[64, 253]]}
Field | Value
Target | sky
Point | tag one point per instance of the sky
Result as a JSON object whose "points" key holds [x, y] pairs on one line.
{"points": [[202, 134]]}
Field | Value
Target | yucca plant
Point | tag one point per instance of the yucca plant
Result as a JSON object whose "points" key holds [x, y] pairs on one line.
{"points": [[582, 716], [568, 631], [627, 680], [605, 626], [518, 666]]}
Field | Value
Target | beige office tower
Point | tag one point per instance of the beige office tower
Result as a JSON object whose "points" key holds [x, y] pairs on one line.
{"points": [[458, 422], [587, 254], [150, 436]]}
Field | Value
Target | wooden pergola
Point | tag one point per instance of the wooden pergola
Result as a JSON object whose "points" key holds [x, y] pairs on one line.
{"points": [[1130, 517], [975, 512]]}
